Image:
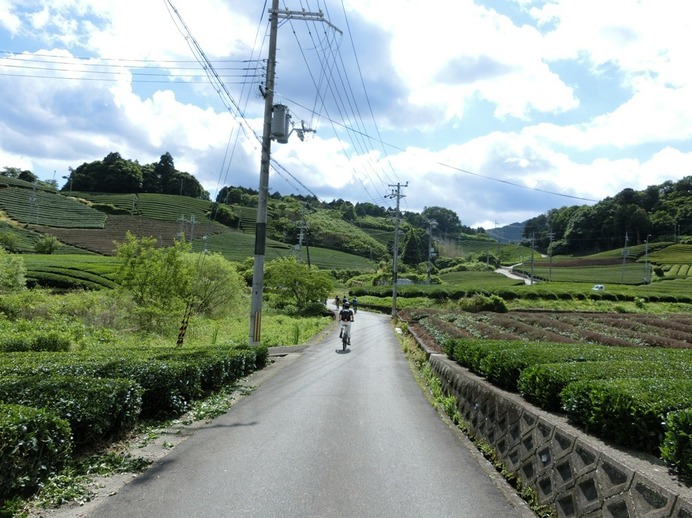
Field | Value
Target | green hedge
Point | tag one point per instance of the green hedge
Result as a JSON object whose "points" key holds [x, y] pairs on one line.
{"points": [[96, 408], [542, 383], [34, 444], [677, 442], [35, 341], [171, 379], [630, 412]]}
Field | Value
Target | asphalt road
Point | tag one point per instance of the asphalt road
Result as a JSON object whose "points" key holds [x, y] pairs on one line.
{"points": [[327, 434]]}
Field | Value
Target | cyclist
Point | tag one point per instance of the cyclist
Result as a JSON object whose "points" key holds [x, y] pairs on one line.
{"points": [[346, 318], [354, 303], [337, 301]]}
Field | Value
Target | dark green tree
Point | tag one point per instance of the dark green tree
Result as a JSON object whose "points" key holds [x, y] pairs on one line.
{"points": [[165, 172], [415, 247], [448, 223]]}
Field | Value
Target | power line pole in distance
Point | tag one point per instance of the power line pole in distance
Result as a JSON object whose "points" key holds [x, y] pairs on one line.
{"points": [[395, 253]]}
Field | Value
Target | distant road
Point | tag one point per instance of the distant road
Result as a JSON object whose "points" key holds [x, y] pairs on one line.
{"points": [[507, 272], [328, 434]]}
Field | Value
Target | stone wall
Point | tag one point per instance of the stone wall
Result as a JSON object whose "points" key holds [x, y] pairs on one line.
{"points": [[571, 471]]}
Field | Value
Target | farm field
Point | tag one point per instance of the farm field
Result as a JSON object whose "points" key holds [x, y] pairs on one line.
{"points": [[615, 329]]}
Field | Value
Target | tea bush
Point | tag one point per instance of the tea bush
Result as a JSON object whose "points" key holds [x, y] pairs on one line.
{"points": [[677, 443], [631, 412], [96, 408], [34, 444]]}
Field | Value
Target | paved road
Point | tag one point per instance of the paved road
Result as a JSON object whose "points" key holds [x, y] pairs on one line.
{"points": [[328, 434]]}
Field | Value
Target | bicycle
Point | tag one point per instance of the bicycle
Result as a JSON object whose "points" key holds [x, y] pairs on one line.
{"points": [[345, 335]]}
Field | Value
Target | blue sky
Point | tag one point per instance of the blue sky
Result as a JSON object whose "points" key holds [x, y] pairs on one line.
{"points": [[498, 110]]}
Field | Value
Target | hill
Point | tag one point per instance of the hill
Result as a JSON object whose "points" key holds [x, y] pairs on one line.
{"points": [[92, 223]]}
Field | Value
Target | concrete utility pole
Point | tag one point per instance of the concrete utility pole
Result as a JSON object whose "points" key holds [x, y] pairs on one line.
{"points": [[301, 236], [647, 273], [625, 253], [263, 195], [396, 194], [431, 224], [551, 235], [261, 225], [533, 247]]}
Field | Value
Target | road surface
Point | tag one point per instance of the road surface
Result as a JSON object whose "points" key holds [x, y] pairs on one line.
{"points": [[328, 434]]}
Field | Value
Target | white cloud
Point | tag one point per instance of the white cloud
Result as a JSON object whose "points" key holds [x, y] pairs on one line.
{"points": [[460, 85]]}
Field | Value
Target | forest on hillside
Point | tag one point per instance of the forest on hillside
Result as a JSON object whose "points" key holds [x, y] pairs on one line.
{"points": [[658, 213]]}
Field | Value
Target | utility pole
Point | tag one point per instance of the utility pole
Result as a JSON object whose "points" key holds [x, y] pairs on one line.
{"points": [[624, 259], [395, 253], [533, 247], [301, 235], [261, 225], [647, 274], [431, 224], [499, 263], [551, 235], [263, 191]]}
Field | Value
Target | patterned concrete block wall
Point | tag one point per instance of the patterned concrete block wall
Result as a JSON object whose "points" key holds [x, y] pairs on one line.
{"points": [[575, 473]]}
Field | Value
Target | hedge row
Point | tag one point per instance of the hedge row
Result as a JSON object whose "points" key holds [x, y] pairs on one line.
{"points": [[543, 383], [636, 397], [40, 340], [171, 380], [95, 408], [78, 398], [34, 444], [451, 293], [630, 411]]}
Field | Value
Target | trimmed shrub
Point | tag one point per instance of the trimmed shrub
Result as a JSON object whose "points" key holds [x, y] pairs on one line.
{"points": [[95, 408], [630, 412], [677, 442], [542, 383], [34, 444], [40, 341]]}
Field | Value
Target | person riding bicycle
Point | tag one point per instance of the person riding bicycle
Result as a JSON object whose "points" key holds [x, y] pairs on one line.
{"points": [[337, 301], [345, 318], [354, 304]]}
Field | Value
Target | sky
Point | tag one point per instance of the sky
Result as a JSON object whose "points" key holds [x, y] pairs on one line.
{"points": [[498, 110]]}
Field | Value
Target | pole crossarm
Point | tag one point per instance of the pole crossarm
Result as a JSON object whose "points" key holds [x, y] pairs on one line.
{"points": [[307, 16]]}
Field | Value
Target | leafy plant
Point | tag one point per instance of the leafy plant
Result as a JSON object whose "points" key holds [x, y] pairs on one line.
{"points": [[12, 272], [297, 283], [47, 244]]}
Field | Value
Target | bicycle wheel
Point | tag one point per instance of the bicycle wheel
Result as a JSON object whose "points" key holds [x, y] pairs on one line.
{"points": [[344, 341]]}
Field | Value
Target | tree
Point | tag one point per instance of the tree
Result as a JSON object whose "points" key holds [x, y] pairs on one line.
{"points": [[447, 220], [298, 283], [165, 172], [47, 244], [27, 176], [217, 287], [12, 272], [158, 278], [415, 247], [9, 241], [119, 175], [112, 174], [190, 186]]}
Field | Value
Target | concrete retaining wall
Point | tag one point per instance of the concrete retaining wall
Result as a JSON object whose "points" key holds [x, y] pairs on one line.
{"points": [[575, 473]]}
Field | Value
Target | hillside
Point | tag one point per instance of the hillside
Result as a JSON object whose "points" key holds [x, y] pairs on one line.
{"points": [[95, 222], [337, 235]]}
